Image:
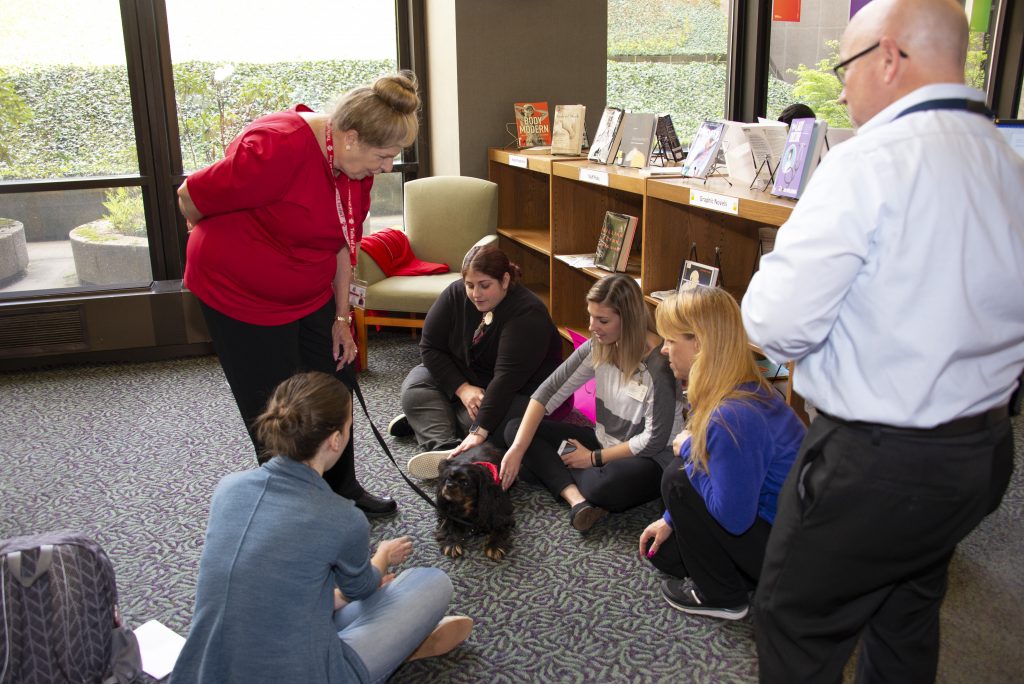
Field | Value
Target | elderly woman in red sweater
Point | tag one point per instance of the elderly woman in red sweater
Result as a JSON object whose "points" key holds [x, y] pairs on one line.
{"points": [[274, 232]]}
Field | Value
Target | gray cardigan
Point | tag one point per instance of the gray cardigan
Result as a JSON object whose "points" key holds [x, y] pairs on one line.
{"points": [[277, 541], [646, 410]]}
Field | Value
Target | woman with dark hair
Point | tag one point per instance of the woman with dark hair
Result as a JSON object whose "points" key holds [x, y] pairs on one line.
{"points": [[288, 590], [617, 464], [274, 228], [797, 110], [488, 342], [720, 495]]}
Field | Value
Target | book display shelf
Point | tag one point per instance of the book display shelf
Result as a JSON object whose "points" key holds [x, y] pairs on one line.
{"points": [[551, 207]]}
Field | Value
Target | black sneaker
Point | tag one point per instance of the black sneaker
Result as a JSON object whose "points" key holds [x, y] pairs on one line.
{"points": [[399, 426], [685, 597]]}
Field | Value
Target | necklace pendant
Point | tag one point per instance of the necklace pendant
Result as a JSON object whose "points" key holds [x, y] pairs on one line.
{"points": [[488, 317]]}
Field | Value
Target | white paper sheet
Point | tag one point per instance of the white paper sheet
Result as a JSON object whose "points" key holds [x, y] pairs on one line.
{"points": [[160, 647]]}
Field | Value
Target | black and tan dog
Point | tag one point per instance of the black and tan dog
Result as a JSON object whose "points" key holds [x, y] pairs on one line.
{"points": [[470, 500]]}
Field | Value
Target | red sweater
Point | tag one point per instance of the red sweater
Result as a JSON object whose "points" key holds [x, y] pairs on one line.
{"points": [[265, 250]]}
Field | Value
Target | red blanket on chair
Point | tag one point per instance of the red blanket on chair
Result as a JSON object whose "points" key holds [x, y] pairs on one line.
{"points": [[390, 249]]}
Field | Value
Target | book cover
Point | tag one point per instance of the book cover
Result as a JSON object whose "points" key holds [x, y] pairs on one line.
{"points": [[794, 158], [703, 149], [568, 129], [767, 141], [636, 141], [615, 241], [533, 124], [607, 133], [799, 157], [668, 140], [694, 273]]}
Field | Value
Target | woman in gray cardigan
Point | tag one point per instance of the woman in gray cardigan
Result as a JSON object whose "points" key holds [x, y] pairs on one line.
{"points": [[288, 590], [617, 464]]}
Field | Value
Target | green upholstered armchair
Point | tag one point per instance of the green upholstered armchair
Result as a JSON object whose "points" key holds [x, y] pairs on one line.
{"points": [[444, 217]]}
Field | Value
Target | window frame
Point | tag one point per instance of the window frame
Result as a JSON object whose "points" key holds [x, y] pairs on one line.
{"points": [[154, 113]]}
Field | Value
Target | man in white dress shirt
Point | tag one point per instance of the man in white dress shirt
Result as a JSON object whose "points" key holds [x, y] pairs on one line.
{"points": [[898, 286]]}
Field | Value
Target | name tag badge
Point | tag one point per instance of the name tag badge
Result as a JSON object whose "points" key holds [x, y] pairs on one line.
{"points": [[357, 293], [636, 390]]}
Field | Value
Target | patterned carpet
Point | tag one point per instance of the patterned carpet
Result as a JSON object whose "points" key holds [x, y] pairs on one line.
{"points": [[130, 454]]}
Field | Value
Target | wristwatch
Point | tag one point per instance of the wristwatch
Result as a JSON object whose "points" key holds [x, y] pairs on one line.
{"points": [[475, 429]]}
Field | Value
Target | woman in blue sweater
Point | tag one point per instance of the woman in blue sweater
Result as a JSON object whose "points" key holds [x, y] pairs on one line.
{"points": [[739, 443], [288, 590]]}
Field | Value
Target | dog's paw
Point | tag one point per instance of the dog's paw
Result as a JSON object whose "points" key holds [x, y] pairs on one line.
{"points": [[495, 553], [452, 550]]}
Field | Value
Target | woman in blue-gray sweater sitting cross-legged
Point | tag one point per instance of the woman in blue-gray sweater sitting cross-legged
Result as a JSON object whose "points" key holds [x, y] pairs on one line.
{"points": [[617, 464], [738, 446]]}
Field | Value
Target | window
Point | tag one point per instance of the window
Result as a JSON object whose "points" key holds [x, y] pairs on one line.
{"points": [[802, 56], [669, 56], [803, 52], [75, 172], [66, 113]]}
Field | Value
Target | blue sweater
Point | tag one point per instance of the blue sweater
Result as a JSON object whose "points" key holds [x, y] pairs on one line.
{"points": [[751, 446], [277, 541]]}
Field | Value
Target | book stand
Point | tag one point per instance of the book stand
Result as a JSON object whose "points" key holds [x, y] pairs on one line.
{"points": [[664, 151], [716, 171], [771, 173]]}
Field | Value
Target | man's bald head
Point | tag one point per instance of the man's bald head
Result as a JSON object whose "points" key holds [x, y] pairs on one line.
{"points": [[932, 32], [921, 42]]}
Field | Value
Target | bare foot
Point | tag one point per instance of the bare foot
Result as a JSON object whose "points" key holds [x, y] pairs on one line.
{"points": [[451, 631]]}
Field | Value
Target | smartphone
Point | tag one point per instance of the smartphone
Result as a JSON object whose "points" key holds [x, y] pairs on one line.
{"points": [[566, 448]]}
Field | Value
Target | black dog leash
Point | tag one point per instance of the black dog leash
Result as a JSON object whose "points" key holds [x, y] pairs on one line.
{"points": [[348, 376]]}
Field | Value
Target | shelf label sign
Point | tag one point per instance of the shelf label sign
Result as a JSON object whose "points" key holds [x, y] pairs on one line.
{"points": [[715, 202], [517, 160], [594, 176]]}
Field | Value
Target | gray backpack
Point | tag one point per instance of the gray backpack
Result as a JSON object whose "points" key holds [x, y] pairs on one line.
{"points": [[60, 620]]}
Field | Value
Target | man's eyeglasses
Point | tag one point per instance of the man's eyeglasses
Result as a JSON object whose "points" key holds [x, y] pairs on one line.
{"points": [[840, 69]]}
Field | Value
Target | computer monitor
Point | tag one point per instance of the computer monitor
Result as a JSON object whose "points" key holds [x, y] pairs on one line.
{"points": [[1013, 131]]}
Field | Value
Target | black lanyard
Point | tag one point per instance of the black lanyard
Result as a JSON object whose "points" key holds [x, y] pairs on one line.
{"points": [[962, 104]]}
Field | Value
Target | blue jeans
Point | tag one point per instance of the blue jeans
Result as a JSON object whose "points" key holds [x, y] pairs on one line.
{"points": [[387, 627]]}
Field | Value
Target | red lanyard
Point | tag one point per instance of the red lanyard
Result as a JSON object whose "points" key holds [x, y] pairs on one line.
{"points": [[349, 226]]}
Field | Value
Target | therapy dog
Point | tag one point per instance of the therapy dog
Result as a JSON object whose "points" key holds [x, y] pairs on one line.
{"points": [[470, 500]]}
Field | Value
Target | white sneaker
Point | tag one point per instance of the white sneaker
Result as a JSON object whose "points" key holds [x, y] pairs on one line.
{"points": [[426, 466]]}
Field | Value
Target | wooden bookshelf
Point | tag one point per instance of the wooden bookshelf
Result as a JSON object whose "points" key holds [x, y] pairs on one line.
{"points": [[553, 206]]}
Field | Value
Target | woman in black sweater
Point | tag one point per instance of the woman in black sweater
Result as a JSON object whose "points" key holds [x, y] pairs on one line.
{"points": [[487, 344]]}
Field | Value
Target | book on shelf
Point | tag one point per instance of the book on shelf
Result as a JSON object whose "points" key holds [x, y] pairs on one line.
{"points": [[835, 136], [567, 132], [615, 241], [606, 140], [636, 141], [577, 260], [669, 147], [767, 142], [533, 124], [703, 149], [694, 274], [661, 171], [800, 157]]}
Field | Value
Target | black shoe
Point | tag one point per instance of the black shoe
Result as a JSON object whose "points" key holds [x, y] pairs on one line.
{"points": [[399, 426], [585, 515], [685, 597], [376, 506]]}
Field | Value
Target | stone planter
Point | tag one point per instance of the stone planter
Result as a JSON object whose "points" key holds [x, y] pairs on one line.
{"points": [[106, 257], [13, 249]]}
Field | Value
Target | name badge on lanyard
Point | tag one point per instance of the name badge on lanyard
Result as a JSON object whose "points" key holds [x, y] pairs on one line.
{"points": [[636, 390], [346, 214]]}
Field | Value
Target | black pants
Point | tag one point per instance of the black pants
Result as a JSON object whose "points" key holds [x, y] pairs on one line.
{"points": [[257, 358], [724, 566], [616, 486], [868, 520]]}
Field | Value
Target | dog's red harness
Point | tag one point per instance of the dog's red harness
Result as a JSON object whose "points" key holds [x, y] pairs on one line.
{"points": [[493, 468]]}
